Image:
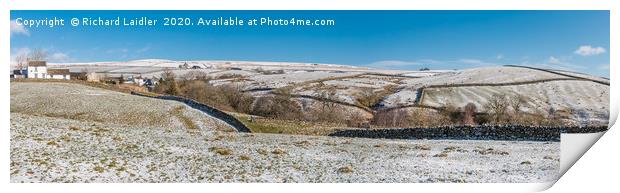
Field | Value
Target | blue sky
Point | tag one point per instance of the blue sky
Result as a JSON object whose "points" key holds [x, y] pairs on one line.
{"points": [[569, 40]]}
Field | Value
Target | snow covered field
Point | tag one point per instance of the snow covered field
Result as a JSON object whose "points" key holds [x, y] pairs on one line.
{"points": [[587, 96], [543, 89], [72, 133]]}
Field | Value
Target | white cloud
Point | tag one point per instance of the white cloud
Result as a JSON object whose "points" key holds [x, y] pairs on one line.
{"points": [[587, 50], [18, 29], [54, 57], [499, 56], [59, 57], [20, 51]]}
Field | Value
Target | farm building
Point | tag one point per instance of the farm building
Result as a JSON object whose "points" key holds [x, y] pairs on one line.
{"points": [[18, 74], [95, 77], [134, 80], [58, 74], [38, 69]]}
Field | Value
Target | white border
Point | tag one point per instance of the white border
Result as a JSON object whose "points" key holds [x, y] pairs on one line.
{"points": [[603, 152], [312, 5]]}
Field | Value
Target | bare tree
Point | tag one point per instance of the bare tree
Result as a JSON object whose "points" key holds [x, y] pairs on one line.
{"points": [[329, 111], [329, 94], [497, 107], [516, 103], [469, 114], [21, 61], [367, 97], [357, 119], [83, 75], [196, 75], [37, 55]]}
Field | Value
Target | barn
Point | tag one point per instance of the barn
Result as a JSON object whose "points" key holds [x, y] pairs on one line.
{"points": [[63, 74]]}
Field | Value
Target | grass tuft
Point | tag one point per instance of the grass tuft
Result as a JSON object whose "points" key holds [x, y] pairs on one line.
{"points": [[74, 128], [442, 154], [99, 169], [244, 157], [345, 169], [221, 150], [53, 143], [278, 151]]}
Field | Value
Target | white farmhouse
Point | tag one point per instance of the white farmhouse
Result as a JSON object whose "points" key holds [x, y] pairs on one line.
{"points": [[38, 69]]}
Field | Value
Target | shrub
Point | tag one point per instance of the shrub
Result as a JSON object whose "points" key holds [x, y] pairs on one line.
{"points": [[229, 76], [392, 118], [196, 75], [413, 117], [367, 97], [465, 115], [236, 98], [278, 106], [423, 117], [167, 83], [357, 119], [225, 97], [482, 119], [269, 72]]}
